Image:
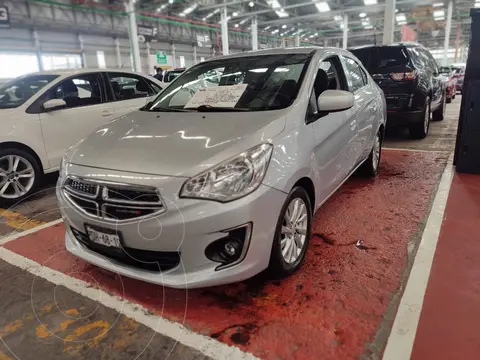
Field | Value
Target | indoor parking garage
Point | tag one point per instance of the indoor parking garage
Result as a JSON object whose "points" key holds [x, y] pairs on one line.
{"points": [[235, 179]]}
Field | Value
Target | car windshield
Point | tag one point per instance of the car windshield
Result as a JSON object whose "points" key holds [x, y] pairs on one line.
{"points": [[15, 92], [252, 83], [445, 70], [378, 58]]}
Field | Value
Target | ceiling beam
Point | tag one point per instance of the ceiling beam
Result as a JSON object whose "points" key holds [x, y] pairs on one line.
{"points": [[208, 7]]}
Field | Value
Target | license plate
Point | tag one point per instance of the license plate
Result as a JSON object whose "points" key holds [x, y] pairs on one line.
{"points": [[103, 238]]}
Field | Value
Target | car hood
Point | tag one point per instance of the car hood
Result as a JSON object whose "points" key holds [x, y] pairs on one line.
{"points": [[174, 144]]}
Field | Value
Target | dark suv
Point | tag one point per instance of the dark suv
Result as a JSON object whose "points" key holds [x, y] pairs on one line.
{"points": [[409, 77]]}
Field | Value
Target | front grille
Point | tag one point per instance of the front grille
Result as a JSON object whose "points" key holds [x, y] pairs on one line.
{"points": [[112, 201], [155, 261]]}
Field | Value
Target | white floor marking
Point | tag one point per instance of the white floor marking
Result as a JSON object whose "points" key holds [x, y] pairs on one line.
{"points": [[402, 336], [16, 235], [204, 344]]}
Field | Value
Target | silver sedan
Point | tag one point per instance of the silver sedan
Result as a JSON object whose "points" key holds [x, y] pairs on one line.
{"points": [[217, 178]]}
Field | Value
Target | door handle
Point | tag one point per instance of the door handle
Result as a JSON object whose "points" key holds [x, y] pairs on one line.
{"points": [[106, 113]]}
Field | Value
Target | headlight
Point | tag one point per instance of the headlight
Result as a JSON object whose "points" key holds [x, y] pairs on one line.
{"points": [[231, 179]]}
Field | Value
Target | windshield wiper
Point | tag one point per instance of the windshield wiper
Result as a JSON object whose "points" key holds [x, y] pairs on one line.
{"points": [[164, 109], [210, 108]]}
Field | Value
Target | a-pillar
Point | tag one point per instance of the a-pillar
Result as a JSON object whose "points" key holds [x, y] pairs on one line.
{"points": [[133, 33], [224, 29], [389, 22], [448, 28], [254, 33]]}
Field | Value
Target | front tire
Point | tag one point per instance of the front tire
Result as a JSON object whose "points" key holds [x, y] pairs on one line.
{"points": [[419, 130], [292, 234], [370, 167], [20, 175], [439, 114]]}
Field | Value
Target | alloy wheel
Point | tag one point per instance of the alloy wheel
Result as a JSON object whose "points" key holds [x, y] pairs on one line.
{"points": [[17, 176], [294, 230]]}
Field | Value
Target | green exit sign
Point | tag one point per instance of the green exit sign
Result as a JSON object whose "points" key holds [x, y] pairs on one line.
{"points": [[161, 57]]}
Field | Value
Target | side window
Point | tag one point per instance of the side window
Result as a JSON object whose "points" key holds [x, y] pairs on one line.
{"points": [[355, 73], [82, 90], [129, 86]]}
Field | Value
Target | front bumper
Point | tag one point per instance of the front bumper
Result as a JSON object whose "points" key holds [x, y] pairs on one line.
{"points": [[187, 227]]}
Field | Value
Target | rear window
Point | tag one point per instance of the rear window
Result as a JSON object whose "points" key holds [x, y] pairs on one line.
{"points": [[378, 58]]}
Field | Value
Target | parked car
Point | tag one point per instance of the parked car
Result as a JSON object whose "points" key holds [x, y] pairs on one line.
{"points": [[410, 79], [215, 187], [459, 74], [450, 82], [44, 113], [167, 76]]}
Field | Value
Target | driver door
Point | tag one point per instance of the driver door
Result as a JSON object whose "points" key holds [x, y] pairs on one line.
{"points": [[86, 109]]}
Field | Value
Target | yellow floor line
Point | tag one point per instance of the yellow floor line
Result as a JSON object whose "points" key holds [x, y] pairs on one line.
{"points": [[18, 221]]}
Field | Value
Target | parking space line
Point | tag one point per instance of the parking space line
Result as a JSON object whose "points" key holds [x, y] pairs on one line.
{"points": [[402, 336], [206, 345], [17, 221], [416, 150], [32, 230]]}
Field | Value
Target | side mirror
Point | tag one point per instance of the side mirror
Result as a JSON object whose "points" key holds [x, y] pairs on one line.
{"points": [[54, 104], [335, 100]]}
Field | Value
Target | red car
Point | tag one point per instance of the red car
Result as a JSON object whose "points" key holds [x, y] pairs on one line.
{"points": [[450, 82]]}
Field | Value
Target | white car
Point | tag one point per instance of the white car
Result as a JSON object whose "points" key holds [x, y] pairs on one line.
{"points": [[44, 113]]}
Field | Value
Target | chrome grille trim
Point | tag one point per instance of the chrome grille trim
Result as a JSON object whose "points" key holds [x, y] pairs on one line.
{"points": [[101, 201]]}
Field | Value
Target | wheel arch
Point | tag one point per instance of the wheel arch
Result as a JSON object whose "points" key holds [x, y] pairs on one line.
{"points": [[20, 146], [307, 184]]}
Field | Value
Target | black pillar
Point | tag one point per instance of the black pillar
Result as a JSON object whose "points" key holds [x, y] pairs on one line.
{"points": [[467, 147]]}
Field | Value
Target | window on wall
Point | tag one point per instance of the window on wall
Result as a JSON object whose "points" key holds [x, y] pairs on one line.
{"points": [[61, 61], [14, 65], [101, 59]]}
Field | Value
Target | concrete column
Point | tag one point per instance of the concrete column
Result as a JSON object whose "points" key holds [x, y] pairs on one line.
{"points": [[254, 33], [283, 42], [36, 39], [224, 30], [174, 56], [457, 42], [195, 55], [149, 60], [448, 28], [132, 29], [389, 22], [325, 42], [82, 51], [118, 53], [345, 30], [297, 40]]}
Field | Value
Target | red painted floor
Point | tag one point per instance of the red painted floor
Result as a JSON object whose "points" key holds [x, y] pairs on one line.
{"points": [[449, 327], [331, 308]]}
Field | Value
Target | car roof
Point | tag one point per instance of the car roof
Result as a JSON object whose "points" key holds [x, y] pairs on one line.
{"points": [[400, 44], [68, 72], [280, 51]]}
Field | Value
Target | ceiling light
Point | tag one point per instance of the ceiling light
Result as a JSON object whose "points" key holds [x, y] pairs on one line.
{"points": [[362, 15], [396, 10], [236, 25], [235, 13], [243, 21], [311, 36], [438, 5], [440, 18], [368, 27], [189, 9], [401, 17], [211, 14], [251, 4], [284, 26], [170, 1], [282, 34], [438, 13], [337, 18], [281, 13], [268, 27], [477, 5], [369, 2], [274, 4], [341, 26], [402, 23], [204, 19], [322, 6]]}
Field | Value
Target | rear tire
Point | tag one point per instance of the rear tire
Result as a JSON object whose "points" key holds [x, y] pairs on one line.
{"points": [[453, 96], [370, 167], [420, 130], [290, 231], [449, 100]]}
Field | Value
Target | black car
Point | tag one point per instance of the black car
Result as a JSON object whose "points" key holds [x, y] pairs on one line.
{"points": [[409, 76]]}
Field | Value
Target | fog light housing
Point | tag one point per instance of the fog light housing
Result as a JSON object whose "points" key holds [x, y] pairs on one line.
{"points": [[232, 248]]}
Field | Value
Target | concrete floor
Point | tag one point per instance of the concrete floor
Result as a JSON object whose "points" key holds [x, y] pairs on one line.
{"points": [[340, 304]]}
